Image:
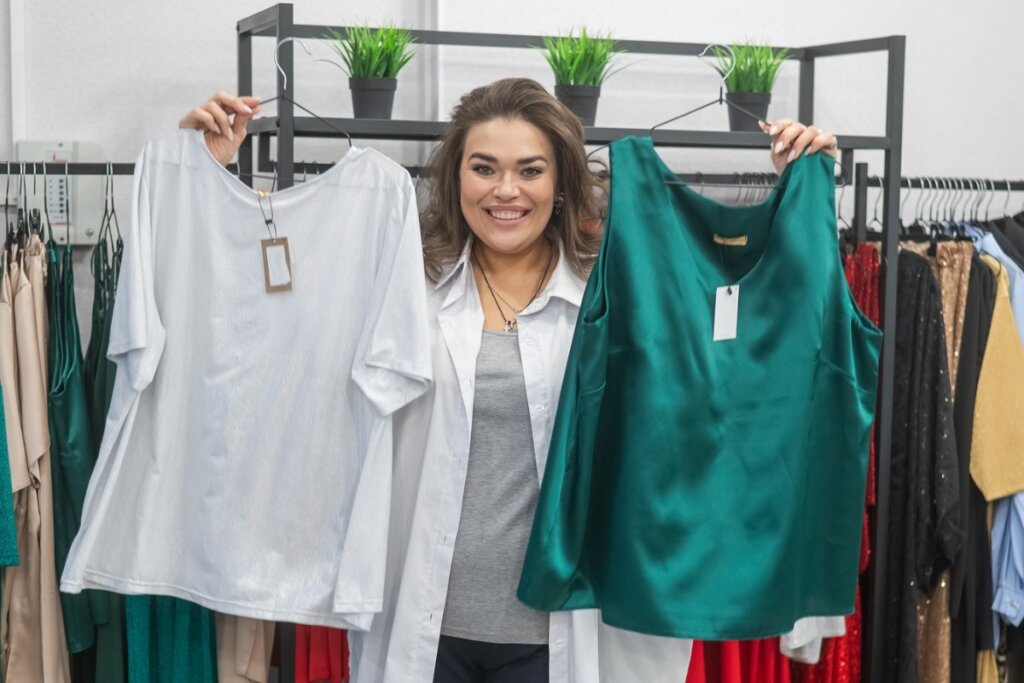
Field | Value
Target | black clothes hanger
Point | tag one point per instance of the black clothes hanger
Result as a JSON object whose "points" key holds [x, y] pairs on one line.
{"points": [[23, 233], [8, 227], [285, 96], [719, 100], [721, 91]]}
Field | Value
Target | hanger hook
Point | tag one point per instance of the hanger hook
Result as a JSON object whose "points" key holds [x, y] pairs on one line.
{"points": [[906, 195], [703, 56], [950, 202], [839, 207], [277, 63], [930, 200], [878, 199]]}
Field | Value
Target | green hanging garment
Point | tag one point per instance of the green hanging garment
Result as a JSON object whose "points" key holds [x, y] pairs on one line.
{"points": [[169, 641], [111, 665], [707, 466], [100, 266], [8, 537], [71, 442]]}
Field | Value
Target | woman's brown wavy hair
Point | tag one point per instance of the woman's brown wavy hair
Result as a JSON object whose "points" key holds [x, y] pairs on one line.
{"points": [[444, 228]]}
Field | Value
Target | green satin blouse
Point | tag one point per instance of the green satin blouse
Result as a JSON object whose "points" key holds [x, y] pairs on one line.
{"points": [[698, 488]]}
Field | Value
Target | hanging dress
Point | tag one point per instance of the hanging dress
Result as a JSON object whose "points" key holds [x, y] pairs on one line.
{"points": [[34, 645], [951, 265], [924, 521], [71, 439]]}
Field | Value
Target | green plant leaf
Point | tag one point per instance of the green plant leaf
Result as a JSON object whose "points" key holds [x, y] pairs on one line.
{"points": [[372, 53], [751, 68], [583, 59]]}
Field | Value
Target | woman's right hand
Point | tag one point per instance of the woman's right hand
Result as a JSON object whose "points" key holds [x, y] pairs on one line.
{"points": [[222, 121]]}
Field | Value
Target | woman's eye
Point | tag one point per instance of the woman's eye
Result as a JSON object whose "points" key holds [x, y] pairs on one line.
{"points": [[482, 169], [532, 172]]}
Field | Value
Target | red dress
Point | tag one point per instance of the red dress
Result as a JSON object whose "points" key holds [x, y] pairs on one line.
{"points": [[321, 654], [747, 661]]}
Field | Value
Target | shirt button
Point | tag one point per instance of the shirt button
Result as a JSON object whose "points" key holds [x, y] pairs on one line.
{"points": [[528, 341], [560, 643], [539, 407]]}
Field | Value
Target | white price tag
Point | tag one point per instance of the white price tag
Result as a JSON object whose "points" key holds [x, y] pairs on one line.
{"points": [[277, 265], [727, 309]]}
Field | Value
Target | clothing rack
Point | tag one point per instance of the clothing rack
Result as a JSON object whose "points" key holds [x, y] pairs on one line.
{"points": [[277, 22]]}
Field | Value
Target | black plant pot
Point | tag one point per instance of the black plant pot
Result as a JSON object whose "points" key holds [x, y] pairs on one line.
{"points": [[755, 103], [372, 98], [581, 99]]}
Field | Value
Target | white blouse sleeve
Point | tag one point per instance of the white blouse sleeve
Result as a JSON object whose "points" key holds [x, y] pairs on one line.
{"points": [[137, 335], [392, 365]]}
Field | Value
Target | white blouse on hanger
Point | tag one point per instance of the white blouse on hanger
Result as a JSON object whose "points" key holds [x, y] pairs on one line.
{"points": [[246, 463]]}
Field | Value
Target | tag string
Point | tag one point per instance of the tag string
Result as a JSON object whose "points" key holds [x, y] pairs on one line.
{"points": [[721, 257], [269, 220]]}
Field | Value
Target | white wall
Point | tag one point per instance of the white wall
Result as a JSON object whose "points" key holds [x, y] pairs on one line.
{"points": [[119, 72], [6, 150]]}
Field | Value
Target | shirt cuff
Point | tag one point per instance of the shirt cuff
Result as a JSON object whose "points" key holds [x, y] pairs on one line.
{"points": [[1009, 602]]}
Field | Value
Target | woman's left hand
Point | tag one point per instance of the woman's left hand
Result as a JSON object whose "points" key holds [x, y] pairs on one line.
{"points": [[791, 138]]}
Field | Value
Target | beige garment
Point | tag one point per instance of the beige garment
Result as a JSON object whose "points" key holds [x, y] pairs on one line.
{"points": [[988, 670], [34, 641], [243, 649], [27, 525], [952, 268], [996, 465]]}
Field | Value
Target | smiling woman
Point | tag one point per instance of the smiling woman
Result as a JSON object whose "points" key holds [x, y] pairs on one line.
{"points": [[507, 257], [511, 143]]}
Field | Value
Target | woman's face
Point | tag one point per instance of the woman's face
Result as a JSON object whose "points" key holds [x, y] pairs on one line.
{"points": [[507, 184]]}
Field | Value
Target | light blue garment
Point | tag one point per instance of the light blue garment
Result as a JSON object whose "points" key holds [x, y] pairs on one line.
{"points": [[1008, 559], [1008, 526], [985, 243]]}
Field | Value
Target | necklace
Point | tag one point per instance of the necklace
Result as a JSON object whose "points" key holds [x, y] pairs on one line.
{"points": [[512, 324]]}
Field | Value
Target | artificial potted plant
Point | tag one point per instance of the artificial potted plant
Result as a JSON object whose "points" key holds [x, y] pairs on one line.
{"points": [[749, 72], [372, 58], [581, 63]]}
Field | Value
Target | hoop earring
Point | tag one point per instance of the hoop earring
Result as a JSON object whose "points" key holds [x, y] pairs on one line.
{"points": [[559, 202]]}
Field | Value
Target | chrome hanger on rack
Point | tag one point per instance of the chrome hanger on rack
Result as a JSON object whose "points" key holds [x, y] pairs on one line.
{"points": [[285, 96], [284, 87]]}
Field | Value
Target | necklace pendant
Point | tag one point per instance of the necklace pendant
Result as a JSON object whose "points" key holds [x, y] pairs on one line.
{"points": [[510, 326]]}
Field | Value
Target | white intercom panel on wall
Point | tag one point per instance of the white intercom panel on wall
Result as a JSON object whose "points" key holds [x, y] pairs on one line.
{"points": [[81, 194]]}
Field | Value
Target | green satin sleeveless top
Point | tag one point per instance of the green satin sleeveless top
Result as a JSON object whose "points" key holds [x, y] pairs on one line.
{"points": [[698, 488]]}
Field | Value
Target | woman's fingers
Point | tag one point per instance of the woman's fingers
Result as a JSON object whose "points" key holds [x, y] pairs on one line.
{"points": [[221, 117], [823, 142]]}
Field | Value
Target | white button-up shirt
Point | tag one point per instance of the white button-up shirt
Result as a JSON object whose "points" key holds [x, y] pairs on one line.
{"points": [[431, 452]]}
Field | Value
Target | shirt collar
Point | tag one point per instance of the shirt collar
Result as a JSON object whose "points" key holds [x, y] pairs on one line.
{"points": [[563, 283]]}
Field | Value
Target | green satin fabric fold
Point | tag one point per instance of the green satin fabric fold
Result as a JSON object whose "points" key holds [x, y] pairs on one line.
{"points": [[709, 489], [8, 534]]}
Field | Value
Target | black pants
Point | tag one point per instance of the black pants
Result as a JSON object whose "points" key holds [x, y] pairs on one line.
{"points": [[472, 661]]}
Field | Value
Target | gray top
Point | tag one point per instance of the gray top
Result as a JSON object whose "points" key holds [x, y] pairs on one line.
{"points": [[497, 507]]}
